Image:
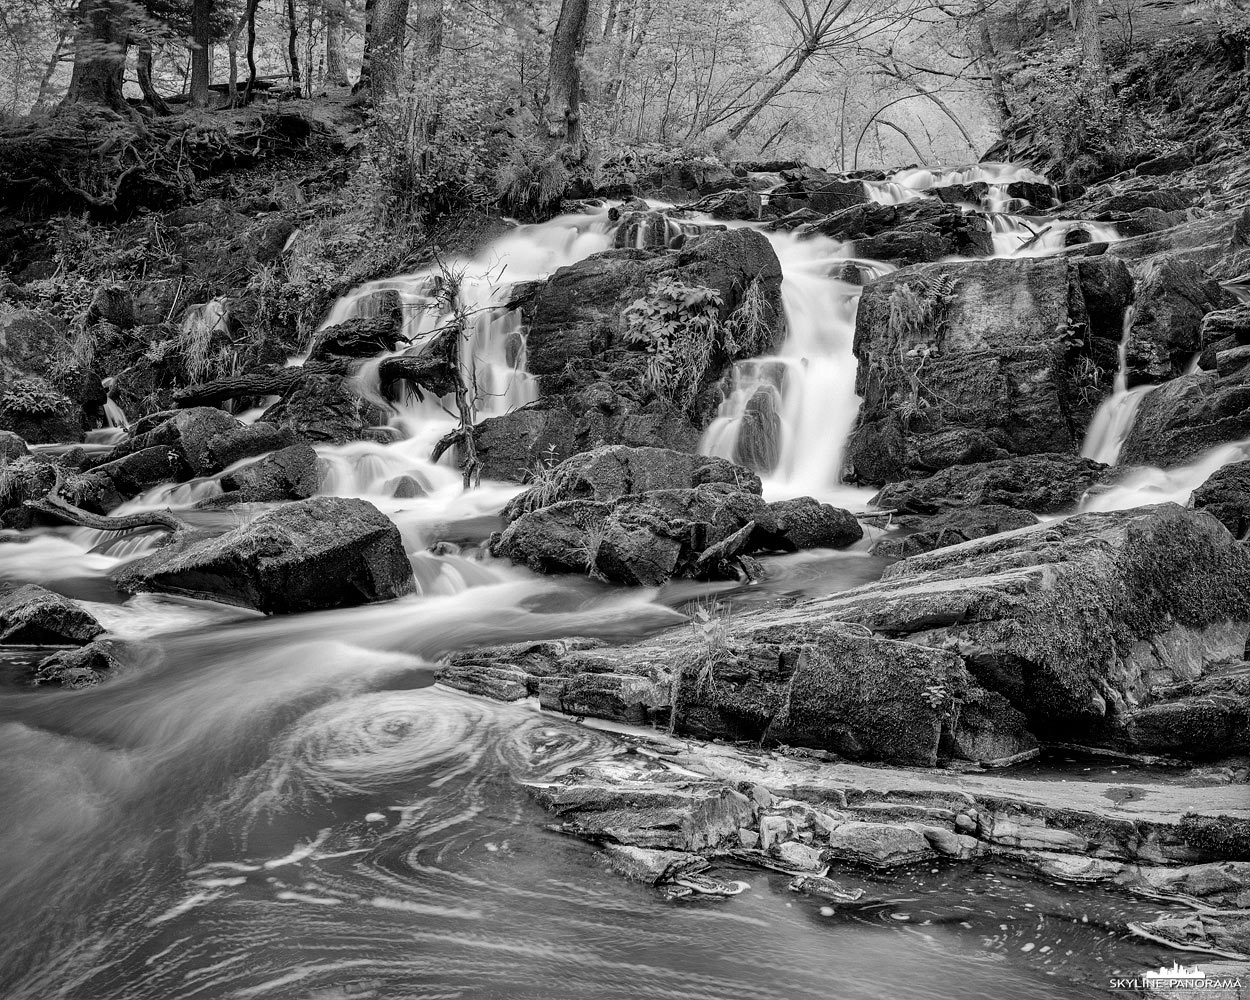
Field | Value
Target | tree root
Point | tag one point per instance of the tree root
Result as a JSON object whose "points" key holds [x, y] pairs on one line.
{"points": [[55, 506]]}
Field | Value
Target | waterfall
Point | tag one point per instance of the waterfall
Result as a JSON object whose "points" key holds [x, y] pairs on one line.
{"points": [[811, 382], [1114, 417]]}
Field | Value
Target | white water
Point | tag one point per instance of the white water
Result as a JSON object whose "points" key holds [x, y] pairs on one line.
{"points": [[816, 399], [1150, 485], [1113, 420]]}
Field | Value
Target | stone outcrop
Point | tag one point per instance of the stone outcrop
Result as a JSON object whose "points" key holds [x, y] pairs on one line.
{"points": [[1062, 631], [1226, 497], [1187, 416], [326, 552], [592, 380], [1045, 484], [911, 233], [962, 363]]}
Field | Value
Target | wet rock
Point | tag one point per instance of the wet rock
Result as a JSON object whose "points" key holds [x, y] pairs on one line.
{"points": [[323, 408], [1182, 418], [804, 523], [687, 816], [363, 337], [641, 864], [191, 434], [1046, 484], [291, 473], [817, 190], [878, 845], [1226, 496], [1207, 717], [500, 683], [628, 698], [961, 194], [78, 668], [981, 360], [130, 475], [642, 539], [1174, 294], [950, 527], [911, 233], [33, 616], [1072, 622], [325, 552], [743, 206], [759, 436], [615, 471], [1038, 195], [1022, 831], [404, 488], [577, 315]]}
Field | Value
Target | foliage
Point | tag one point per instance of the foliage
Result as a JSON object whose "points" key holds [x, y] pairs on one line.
{"points": [[33, 397], [431, 153], [917, 309], [677, 325], [531, 179]]}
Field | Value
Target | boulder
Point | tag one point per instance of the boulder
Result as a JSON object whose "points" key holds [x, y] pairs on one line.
{"points": [[961, 363], [1174, 295], [578, 313], [805, 523], [911, 233], [1226, 496], [1073, 622], [288, 474], [113, 304], [33, 616], [324, 408], [29, 339], [593, 380], [758, 445], [12, 447], [645, 539], [325, 552], [949, 527], [363, 337], [618, 470], [39, 412], [817, 190], [78, 668], [1044, 484], [878, 845], [1187, 416], [191, 435]]}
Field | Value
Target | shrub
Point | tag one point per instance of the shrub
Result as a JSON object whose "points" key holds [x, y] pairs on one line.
{"points": [[33, 397], [676, 325]]}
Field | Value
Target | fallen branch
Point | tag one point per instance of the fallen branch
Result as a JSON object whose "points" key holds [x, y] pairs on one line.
{"points": [[67, 512]]}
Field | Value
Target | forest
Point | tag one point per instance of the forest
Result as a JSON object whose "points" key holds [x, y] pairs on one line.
{"points": [[624, 499]]}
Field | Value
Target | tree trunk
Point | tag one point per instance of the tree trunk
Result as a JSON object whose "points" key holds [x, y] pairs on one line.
{"points": [[336, 58], [292, 40], [800, 58], [250, 14], [1093, 67], [54, 60], [427, 22], [150, 94], [201, 52], [561, 106], [384, 46], [989, 59], [100, 55]]}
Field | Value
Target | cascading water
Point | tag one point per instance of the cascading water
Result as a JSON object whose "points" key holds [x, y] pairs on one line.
{"points": [[288, 808], [1114, 417], [811, 383]]}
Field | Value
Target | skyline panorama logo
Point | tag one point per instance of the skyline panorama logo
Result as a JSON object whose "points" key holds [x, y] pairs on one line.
{"points": [[1178, 977]]}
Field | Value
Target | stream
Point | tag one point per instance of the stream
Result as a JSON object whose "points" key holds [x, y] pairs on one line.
{"points": [[290, 808]]}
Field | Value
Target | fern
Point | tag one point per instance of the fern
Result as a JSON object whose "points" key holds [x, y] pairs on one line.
{"points": [[677, 325]]}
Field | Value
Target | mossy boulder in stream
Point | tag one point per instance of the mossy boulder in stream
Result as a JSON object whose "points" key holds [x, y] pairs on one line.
{"points": [[326, 552]]}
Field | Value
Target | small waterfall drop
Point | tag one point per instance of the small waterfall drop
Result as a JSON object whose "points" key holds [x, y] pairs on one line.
{"points": [[1114, 417], [809, 385]]}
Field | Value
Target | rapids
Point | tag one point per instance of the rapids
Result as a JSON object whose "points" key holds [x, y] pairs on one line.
{"points": [[289, 808]]}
